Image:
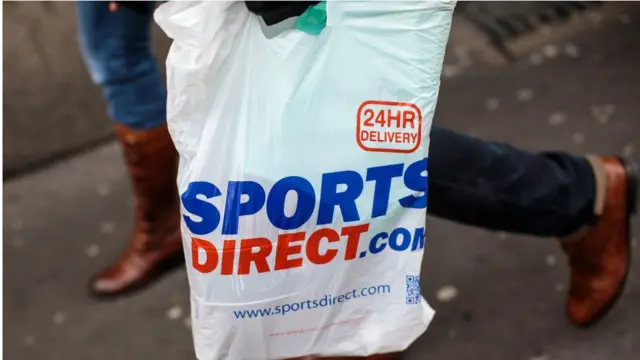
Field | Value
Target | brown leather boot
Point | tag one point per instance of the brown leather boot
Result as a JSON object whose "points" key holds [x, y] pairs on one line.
{"points": [[600, 256], [155, 244]]}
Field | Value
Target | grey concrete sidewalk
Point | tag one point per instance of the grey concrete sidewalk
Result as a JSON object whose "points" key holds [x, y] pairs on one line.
{"points": [[65, 222]]}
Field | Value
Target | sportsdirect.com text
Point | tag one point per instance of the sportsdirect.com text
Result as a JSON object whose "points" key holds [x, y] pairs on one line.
{"points": [[327, 300]]}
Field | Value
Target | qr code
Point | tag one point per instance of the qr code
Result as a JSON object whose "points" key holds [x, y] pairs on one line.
{"points": [[413, 290]]}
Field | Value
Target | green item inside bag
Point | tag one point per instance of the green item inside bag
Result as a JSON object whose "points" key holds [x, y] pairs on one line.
{"points": [[314, 20]]}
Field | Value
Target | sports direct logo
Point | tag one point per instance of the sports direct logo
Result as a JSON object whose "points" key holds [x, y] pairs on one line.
{"points": [[338, 192], [388, 126]]}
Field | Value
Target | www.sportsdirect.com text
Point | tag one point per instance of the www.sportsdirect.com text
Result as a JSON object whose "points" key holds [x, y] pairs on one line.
{"points": [[327, 300]]}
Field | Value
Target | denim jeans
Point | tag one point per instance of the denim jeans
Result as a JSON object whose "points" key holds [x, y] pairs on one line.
{"points": [[497, 186], [116, 47], [487, 184]]}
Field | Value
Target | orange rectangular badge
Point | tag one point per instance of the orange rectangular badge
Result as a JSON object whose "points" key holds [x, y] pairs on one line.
{"points": [[389, 126]]}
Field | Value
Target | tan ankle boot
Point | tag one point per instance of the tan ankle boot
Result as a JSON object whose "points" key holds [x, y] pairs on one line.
{"points": [[600, 256], [155, 243]]}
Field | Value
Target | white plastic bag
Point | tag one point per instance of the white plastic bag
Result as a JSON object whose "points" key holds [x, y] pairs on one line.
{"points": [[303, 174]]}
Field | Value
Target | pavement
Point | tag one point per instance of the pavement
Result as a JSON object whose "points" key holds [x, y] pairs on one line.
{"points": [[497, 295]]}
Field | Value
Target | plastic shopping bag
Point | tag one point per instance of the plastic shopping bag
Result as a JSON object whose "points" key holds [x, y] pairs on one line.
{"points": [[303, 175]]}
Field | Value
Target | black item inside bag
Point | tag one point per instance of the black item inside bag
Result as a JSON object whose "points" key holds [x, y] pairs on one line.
{"points": [[272, 12]]}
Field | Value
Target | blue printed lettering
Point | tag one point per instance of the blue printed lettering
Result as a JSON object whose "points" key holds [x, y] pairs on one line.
{"points": [[400, 239], [304, 207], [418, 240], [374, 247], [346, 200], [234, 208], [414, 180], [382, 175], [339, 189], [208, 213]]}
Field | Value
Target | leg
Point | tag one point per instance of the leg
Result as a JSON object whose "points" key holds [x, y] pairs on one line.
{"points": [[116, 49], [500, 187], [587, 201]]}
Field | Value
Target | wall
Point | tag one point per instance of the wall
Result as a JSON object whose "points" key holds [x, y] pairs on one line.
{"points": [[50, 106]]}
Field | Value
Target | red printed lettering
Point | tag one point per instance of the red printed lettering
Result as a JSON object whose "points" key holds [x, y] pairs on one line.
{"points": [[228, 257], [353, 239], [211, 255], [408, 117], [259, 257], [391, 117], [285, 248], [313, 246], [388, 126]]}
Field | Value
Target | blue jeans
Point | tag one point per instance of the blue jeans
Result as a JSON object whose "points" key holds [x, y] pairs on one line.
{"points": [[487, 184], [116, 47], [497, 186]]}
